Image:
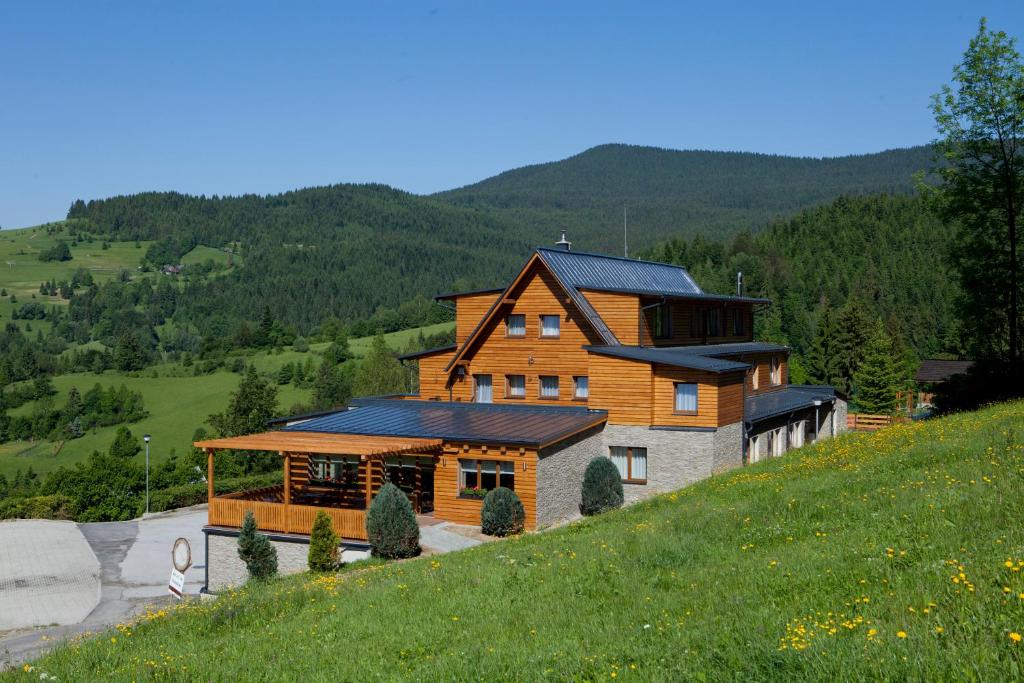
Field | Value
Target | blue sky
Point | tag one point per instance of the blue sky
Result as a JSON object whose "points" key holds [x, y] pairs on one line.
{"points": [[107, 98]]}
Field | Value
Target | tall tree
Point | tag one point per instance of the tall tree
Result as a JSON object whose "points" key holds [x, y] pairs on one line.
{"points": [[852, 332], [980, 119], [822, 363], [249, 407], [380, 372], [878, 375]]}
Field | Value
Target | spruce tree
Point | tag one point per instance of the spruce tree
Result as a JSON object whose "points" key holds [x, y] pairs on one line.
{"points": [[852, 332], [249, 408], [256, 551], [822, 362], [877, 379], [380, 372], [323, 544]]}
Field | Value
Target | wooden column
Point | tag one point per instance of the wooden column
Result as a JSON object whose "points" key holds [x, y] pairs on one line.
{"points": [[369, 480], [287, 491], [209, 475]]}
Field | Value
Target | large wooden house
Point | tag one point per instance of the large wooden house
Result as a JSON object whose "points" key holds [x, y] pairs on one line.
{"points": [[581, 355]]}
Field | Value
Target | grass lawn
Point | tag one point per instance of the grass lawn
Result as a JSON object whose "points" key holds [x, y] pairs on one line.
{"points": [[896, 555]]}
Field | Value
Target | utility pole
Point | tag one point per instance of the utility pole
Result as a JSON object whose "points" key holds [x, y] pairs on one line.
{"points": [[625, 234], [145, 437]]}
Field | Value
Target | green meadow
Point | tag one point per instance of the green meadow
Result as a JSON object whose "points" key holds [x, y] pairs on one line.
{"points": [[897, 555]]}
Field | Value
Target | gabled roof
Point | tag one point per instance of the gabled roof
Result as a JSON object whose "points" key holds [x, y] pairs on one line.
{"points": [[794, 397], [528, 425], [941, 370], [428, 352], [582, 270], [677, 356]]}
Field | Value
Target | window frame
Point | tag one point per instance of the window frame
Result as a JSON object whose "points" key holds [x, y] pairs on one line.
{"points": [[754, 381], [739, 322], [508, 329], [775, 371], [490, 379], [540, 332], [662, 321], [499, 469], [628, 479], [508, 388], [576, 387], [675, 396], [540, 388]]}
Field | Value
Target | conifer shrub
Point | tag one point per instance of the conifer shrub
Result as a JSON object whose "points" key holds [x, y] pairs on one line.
{"points": [[391, 525], [602, 487], [323, 544], [502, 513], [256, 551]]}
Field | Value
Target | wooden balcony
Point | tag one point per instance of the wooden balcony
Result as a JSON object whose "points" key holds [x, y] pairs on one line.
{"points": [[272, 514]]}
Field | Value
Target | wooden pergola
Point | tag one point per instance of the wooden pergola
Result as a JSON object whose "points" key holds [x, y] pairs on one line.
{"points": [[367, 447]]}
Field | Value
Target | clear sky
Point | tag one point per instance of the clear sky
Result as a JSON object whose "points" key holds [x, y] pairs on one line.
{"points": [[104, 98]]}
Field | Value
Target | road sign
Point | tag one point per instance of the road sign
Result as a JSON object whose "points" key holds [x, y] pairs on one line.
{"points": [[176, 586], [181, 555]]}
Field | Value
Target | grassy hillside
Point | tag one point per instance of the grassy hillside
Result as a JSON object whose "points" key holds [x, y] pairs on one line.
{"points": [[679, 193], [177, 401], [896, 555]]}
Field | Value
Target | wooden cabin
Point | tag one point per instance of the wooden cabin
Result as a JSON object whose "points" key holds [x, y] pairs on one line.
{"points": [[581, 355]]}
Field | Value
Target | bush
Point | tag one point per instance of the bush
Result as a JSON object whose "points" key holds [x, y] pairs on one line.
{"points": [[602, 487], [254, 548], [323, 544], [391, 525], [502, 513], [38, 507]]}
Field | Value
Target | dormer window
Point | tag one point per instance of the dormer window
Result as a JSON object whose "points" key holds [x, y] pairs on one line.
{"points": [[662, 322], [550, 326], [754, 381], [737, 322], [515, 325], [776, 371]]}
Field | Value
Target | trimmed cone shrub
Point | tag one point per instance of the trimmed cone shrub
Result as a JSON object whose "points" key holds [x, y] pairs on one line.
{"points": [[602, 487], [323, 544], [502, 513], [254, 548], [391, 525]]}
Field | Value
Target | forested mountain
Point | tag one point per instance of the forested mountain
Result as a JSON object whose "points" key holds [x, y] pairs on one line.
{"points": [[680, 193]]}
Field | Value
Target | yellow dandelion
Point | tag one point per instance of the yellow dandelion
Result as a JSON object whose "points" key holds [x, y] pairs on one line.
{"points": [[1015, 637], [939, 629], [901, 634]]}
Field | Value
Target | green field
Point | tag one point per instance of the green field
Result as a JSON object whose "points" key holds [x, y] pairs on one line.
{"points": [[896, 555]]}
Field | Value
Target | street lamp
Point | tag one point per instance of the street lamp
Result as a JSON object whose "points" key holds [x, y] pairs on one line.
{"points": [[817, 404], [145, 437]]}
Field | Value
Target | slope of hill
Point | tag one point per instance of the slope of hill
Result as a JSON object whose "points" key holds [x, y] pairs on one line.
{"points": [[683, 193], [891, 556]]}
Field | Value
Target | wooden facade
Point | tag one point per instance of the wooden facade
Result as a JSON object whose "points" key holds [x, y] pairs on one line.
{"points": [[452, 506]]}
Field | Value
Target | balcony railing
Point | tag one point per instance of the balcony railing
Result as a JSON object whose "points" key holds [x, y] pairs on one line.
{"points": [[229, 511]]}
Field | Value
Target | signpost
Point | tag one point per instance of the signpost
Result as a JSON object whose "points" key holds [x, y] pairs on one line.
{"points": [[181, 557]]}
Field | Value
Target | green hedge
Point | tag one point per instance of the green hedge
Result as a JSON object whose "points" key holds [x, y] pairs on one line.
{"points": [[56, 506], [195, 494]]}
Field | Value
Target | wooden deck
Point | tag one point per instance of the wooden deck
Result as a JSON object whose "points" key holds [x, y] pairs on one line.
{"points": [[272, 515]]}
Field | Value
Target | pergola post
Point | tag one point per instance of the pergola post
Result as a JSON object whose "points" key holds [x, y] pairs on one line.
{"points": [[369, 480], [287, 491], [209, 474]]}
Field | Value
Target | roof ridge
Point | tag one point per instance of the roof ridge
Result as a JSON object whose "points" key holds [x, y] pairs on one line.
{"points": [[612, 256]]}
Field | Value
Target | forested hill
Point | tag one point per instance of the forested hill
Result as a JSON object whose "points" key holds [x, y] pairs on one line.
{"points": [[680, 193]]}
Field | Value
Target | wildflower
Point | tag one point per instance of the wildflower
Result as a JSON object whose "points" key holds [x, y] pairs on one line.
{"points": [[1015, 637], [901, 634], [939, 629]]}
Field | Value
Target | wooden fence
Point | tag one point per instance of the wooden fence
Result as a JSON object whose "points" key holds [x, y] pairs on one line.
{"points": [[870, 423], [294, 519]]}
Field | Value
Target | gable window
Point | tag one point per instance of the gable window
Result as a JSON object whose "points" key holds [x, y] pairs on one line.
{"points": [[550, 326], [477, 477], [631, 463], [776, 371], [482, 390], [515, 386], [580, 387], [737, 322], [662, 322], [515, 325], [549, 386], [686, 398]]}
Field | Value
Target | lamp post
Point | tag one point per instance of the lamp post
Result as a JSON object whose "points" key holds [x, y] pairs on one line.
{"points": [[145, 437], [817, 404]]}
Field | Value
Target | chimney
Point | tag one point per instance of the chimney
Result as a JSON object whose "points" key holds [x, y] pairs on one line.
{"points": [[563, 243], [739, 283]]}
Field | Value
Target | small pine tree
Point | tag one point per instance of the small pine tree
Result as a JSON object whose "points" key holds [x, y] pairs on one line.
{"points": [[391, 525], [323, 544], [502, 513], [602, 487], [878, 378], [256, 551]]}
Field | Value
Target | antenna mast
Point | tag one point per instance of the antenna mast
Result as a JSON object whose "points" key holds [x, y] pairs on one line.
{"points": [[625, 234]]}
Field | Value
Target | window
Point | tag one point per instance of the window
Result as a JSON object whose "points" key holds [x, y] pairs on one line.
{"points": [[662, 322], [580, 387], [477, 477], [333, 469], [754, 448], [631, 463], [776, 442], [737, 322], [714, 322], [401, 471], [796, 434], [515, 325], [696, 322], [482, 391], [550, 326], [776, 371], [754, 381], [686, 398], [549, 386], [515, 386]]}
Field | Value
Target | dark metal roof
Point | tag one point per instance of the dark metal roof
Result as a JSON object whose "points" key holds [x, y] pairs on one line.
{"points": [[582, 270], [495, 423], [703, 296], [428, 352], [941, 370], [284, 419], [456, 295], [678, 356], [782, 401], [718, 350]]}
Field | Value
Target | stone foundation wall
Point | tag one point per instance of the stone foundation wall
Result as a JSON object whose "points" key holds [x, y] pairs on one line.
{"points": [[560, 472]]}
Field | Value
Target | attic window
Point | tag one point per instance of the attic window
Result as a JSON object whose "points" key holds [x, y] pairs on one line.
{"points": [[515, 325], [550, 326]]}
